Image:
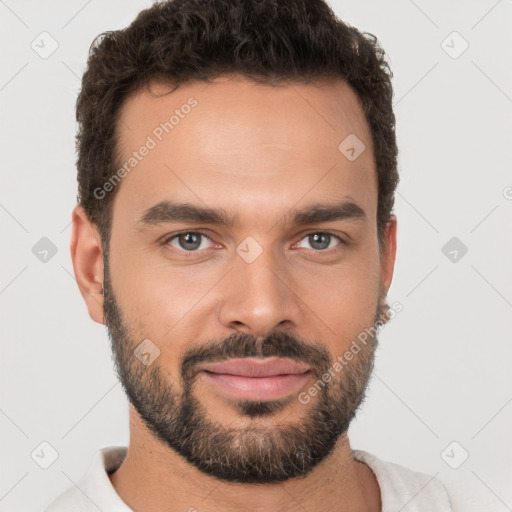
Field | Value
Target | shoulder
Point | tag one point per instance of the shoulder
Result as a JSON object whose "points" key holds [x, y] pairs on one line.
{"points": [[72, 499], [94, 491], [401, 487]]}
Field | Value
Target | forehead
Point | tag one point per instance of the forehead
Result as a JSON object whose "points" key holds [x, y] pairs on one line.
{"points": [[257, 147]]}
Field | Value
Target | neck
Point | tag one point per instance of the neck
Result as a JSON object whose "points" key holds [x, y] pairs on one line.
{"points": [[154, 477]]}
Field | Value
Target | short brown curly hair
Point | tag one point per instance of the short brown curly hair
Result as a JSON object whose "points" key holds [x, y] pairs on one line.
{"points": [[267, 41]]}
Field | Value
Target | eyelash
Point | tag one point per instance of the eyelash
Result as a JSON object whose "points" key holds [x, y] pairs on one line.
{"points": [[199, 232]]}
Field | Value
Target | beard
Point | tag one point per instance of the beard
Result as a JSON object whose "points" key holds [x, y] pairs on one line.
{"points": [[254, 453]]}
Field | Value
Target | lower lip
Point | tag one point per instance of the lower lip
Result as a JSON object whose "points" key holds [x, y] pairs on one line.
{"points": [[257, 388]]}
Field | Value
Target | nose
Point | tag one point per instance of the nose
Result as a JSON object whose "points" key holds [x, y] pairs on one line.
{"points": [[260, 296]]}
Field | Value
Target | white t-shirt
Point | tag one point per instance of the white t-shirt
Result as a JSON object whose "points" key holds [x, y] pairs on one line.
{"points": [[400, 488]]}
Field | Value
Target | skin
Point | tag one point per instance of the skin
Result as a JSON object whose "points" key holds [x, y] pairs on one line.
{"points": [[259, 152]]}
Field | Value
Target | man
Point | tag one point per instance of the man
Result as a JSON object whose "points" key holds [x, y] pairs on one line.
{"points": [[234, 232]]}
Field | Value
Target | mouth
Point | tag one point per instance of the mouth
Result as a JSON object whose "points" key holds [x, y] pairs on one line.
{"points": [[258, 379]]}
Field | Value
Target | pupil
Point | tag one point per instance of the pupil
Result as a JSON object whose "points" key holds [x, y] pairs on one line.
{"points": [[318, 236], [190, 238]]}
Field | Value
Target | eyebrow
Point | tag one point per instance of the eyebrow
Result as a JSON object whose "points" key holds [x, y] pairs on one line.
{"points": [[169, 211]]}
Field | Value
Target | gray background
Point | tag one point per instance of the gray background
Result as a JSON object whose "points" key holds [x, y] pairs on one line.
{"points": [[443, 371]]}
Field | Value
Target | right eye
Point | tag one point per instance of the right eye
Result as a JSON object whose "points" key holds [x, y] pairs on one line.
{"points": [[187, 241]]}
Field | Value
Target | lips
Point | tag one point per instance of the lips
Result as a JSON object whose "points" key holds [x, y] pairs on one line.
{"points": [[255, 378], [252, 367]]}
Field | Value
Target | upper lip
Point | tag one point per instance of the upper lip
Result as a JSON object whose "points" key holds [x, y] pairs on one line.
{"points": [[256, 367]]}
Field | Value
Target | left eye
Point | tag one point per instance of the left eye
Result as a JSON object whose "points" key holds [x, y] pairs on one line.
{"points": [[321, 241]]}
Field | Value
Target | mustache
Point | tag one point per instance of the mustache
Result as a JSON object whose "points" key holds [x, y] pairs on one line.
{"points": [[240, 345]]}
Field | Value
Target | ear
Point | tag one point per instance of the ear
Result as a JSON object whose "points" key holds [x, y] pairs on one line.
{"points": [[87, 257], [388, 254]]}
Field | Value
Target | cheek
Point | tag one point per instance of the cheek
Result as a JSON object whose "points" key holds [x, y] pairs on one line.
{"points": [[345, 299], [162, 303], [148, 290]]}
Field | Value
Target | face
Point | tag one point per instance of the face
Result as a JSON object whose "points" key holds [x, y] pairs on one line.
{"points": [[243, 265]]}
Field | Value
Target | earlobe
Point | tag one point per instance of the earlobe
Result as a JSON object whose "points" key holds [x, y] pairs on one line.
{"points": [[87, 257]]}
